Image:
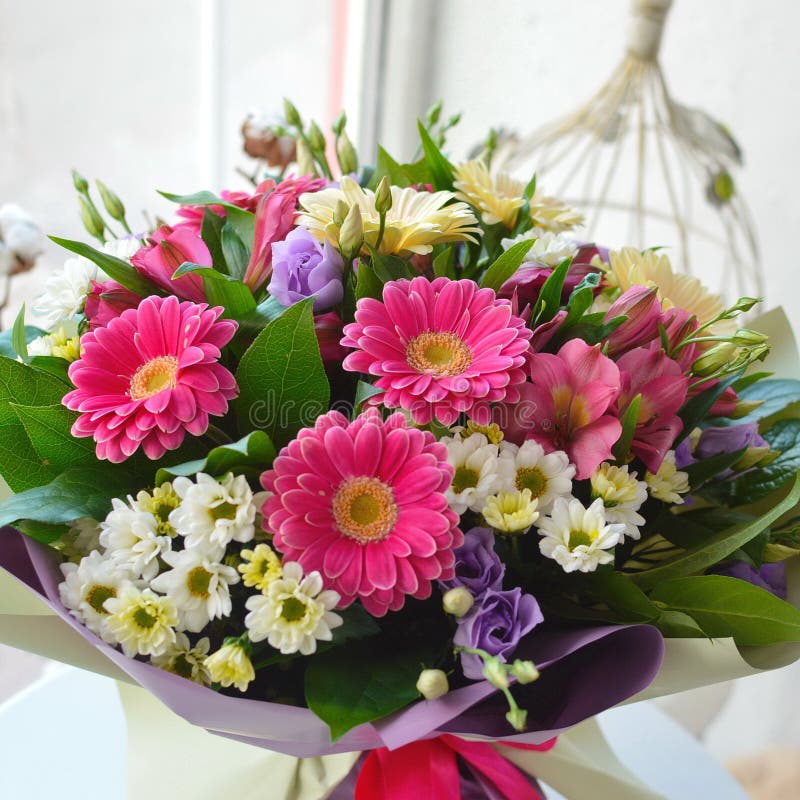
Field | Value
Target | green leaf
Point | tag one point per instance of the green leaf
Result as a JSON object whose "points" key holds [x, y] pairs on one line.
{"points": [[394, 171], [116, 269], [282, 382], [696, 409], [729, 607], [6, 341], [242, 221], [630, 419], [221, 290], [444, 263], [49, 429], [236, 253], [550, 297], [581, 299], [249, 456], [775, 395], [368, 284], [365, 681], [622, 595], [717, 547], [43, 532], [506, 265], [390, 268], [77, 492], [364, 391], [211, 234], [708, 468], [677, 625], [441, 169], [53, 365], [19, 341]]}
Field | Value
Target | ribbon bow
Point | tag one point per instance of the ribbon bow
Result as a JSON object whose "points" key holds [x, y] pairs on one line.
{"points": [[428, 770]]}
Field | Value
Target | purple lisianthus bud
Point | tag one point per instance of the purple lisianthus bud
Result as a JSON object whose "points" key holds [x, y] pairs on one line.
{"points": [[302, 268], [477, 567], [496, 624], [715, 441], [771, 577]]}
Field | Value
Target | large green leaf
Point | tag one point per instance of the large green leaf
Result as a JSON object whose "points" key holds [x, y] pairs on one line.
{"points": [[506, 265], [282, 382], [116, 269], [365, 681], [774, 396], [368, 284], [48, 428], [622, 595], [441, 169], [77, 492], [221, 290], [550, 297], [717, 547], [249, 456], [724, 607]]}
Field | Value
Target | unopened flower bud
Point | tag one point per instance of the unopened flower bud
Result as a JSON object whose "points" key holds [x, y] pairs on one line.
{"points": [[753, 457], [79, 182], [745, 337], [112, 203], [340, 212], [91, 219], [351, 234], [496, 673], [434, 112], [744, 304], [745, 407], [432, 683], [316, 138], [524, 671], [383, 196], [346, 155], [517, 718], [715, 359], [292, 115], [339, 123], [305, 159], [457, 601]]}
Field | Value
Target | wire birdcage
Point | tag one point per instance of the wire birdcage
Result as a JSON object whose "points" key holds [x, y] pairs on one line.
{"points": [[649, 171]]}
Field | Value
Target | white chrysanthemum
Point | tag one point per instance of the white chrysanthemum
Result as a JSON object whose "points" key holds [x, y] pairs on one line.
{"points": [[132, 539], [475, 463], [622, 495], [213, 513], [184, 660], [81, 539], [122, 248], [511, 512], [65, 292], [548, 248], [57, 344], [260, 567], [88, 586], [293, 612], [579, 538], [141, 621], [199, 586], [161, 502], [547, 475], [231, 666], [669, 483]]}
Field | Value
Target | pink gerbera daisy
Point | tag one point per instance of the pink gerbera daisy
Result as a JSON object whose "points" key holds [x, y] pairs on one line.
{"points": [[149, 376], [439, 348], [364, 504]]}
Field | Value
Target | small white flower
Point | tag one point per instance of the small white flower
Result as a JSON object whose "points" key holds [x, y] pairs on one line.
{"points": [[184, 660], [579, 538], [549, 249], [293, 612], [122, 248], [65, 292], [260, 566], [88, 586], [457, 601], [80, 540], [511, 512], [622, 495], [141, 621], [669, 483], [548, 476], [198, 586], [475, 463], [213, 513], [432, 683], [132, 539], [231, 666], [57, 344]]}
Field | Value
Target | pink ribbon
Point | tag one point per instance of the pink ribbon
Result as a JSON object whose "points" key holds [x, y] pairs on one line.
{"points": [[428, 770]]}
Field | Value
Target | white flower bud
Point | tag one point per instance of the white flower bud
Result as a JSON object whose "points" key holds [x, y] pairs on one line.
{"points": [[524, 671], [432, 683], [457, 601], [496, 673]]}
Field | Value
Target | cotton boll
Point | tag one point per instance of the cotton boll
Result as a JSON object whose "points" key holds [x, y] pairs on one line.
{"points": [[10, 215], [25, 240], [8, 261]]}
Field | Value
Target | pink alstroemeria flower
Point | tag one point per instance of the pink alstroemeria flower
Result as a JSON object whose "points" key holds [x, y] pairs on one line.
{"points": [[663, 388], [567, 405], [642, 308], [106, 301]]}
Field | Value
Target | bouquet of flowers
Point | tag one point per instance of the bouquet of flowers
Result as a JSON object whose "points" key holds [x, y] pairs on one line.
{"points": [[391, 463]]}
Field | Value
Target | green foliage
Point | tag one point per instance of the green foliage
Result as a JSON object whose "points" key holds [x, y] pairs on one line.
{"points": [[368, 284], [7, 348], [506, 265], [550, 297], [48, 428], [630, 418], [281, 378], [243, 222], [221, 290], [621, 595], [440, 168], [708, 468], [774, 395]]}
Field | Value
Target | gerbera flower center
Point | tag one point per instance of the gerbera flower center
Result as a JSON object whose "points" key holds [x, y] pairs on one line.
{"points": [[97, 596], [464, 478], [531, 478], [153, 377], [438, 353], [293, 609], [578, 538], [198, 580], [364, 509]]}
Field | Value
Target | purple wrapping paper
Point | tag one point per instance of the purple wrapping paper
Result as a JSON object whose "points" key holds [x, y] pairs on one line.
{"points": [[583, 672]]}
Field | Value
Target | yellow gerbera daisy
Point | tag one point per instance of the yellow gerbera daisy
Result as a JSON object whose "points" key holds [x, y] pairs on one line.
{"points": [[414, 224], [498, 198], [552, 214]]}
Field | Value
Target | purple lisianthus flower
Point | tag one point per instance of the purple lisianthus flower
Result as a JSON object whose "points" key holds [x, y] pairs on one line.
{"points": [[715, 441], [477, 567], [496, 623], [302, 268], [771, 577]]}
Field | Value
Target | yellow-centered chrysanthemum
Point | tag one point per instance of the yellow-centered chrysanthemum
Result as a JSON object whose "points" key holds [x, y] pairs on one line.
{"points": [[414, 224], [498, 197], [630, 267], [511, 512], [260, 567]]}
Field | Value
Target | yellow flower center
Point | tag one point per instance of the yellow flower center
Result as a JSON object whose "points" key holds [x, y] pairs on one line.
{"points": [[364, 509], [578, 538], [198, 581], [531, 478], [182, 666], [153, 377], [97, 596], [464, 478], [224, 511], [293, 609], [438, 354], [143, 618]]}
